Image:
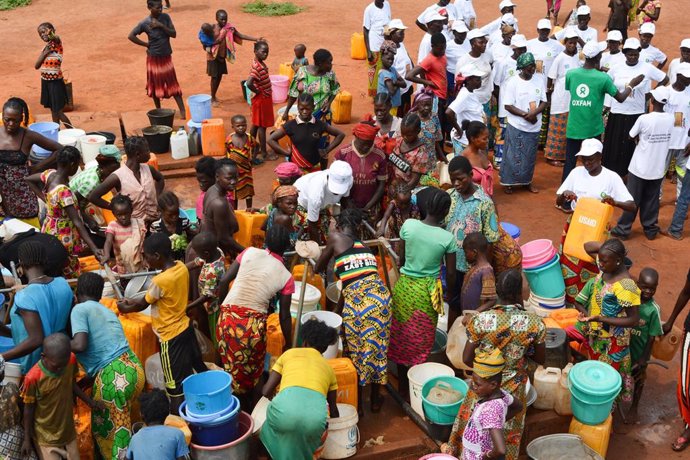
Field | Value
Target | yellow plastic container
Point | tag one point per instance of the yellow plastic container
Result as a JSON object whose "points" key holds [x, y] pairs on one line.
{"points": [[250, 233], [665, 347], [274, 335], [358, 49], [139, 333], [213, 137], [342, 108], [551, 323], [565, 317], [590, 222], [286, 69], [595, 436], [346, 375]]}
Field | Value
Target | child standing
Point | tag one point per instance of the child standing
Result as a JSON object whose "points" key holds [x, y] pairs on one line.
{"points": [[259, 83], [431, 133], [300, 60], [168, 295], [642, 336], [47, 393], [49, 62], [212, 262], [240, 148], [173, 225], [156, 440], [479, 285], [125, 237], [389, 81]]}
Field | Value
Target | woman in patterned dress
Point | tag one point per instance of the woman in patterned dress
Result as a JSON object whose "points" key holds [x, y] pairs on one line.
{"points": [[518, 335], [63, 220], [364, 304]]}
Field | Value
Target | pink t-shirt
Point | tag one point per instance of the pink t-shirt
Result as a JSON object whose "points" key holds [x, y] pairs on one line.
{"points": [[489, 415]]}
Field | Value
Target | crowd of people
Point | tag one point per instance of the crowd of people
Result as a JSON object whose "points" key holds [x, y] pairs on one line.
{"points": [[477, 104]]}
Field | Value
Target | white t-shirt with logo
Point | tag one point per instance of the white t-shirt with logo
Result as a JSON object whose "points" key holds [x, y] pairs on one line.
{"points": [[560, 98], [524, 95], [402, 63], [466, 107], [500, 51], [544, 52], [654, 131], [622, 74], [375, 19], [504, 70], [583, 185], [608, 61], [587, 35], [483, 63], [652, 55], [673, 70], [678, 105], [454, 51]]}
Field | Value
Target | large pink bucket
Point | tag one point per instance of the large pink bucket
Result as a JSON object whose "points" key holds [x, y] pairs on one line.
{"points": [[279, 86], [537, 252]]}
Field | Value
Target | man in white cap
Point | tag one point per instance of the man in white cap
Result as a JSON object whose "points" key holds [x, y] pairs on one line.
{"points": [[648, 166], [435, 24], [455, 49], [376, 16], [618, 146], [587, 87], [679, 105], [584, 32], [554, 150], [618, 17], [507, 21], [544, 48], [466, 107], [499, 46], [465, 10], [684, 58], [613, 56], [317, 191], [650, 53], [479, 58], [441, 7], [402, 62]]}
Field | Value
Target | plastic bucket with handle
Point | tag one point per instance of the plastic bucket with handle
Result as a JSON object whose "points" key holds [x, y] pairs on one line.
{"points": [[199, 107], [343, 434], [46, 129], [279, 87], [418, 375]]}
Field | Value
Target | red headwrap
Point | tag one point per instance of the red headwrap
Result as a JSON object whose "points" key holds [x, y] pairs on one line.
{"points": [[365, 130]]}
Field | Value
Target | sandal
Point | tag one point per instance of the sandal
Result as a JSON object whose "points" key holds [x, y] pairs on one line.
{"points": [[257, 161], [680, 444]]}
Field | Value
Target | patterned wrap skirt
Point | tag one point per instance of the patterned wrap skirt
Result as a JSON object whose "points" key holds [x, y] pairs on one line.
{"points": [[161, 80], [366, 321], [519, 156], [373, 73], [576, 272], [241, 334], [555, 141]]}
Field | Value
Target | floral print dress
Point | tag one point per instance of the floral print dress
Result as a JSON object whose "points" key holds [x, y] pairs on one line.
{"points": [[58, 223]]}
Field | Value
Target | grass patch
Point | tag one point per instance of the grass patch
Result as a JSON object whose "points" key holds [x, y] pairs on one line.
{"points": [[12, 4], [263, 8]]}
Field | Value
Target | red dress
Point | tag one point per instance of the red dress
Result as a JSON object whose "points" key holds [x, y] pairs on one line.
{"points": [[262, 102]]}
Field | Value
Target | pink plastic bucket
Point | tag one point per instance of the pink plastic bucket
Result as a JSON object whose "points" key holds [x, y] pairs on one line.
{"points": [[537, 252], [438, 457], [279, 86]]}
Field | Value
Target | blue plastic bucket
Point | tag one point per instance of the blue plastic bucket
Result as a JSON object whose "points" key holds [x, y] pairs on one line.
{"points": [[6, 343], [211, 418], [220, 431], [207, 393], [443, 414], [47, 129], [511, 229], [546, 281], [199, 107]]}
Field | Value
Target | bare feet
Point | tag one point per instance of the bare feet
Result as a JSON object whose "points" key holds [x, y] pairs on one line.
{"points": [[532, 188], [556, 163], [215, 103], [682, 442], [508, 190]]}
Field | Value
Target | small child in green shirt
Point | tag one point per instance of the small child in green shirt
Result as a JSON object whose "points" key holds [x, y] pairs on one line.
{"points": [[642, 336]]}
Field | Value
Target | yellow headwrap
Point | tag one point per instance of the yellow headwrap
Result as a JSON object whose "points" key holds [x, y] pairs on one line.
{"points": [[486, 365]]}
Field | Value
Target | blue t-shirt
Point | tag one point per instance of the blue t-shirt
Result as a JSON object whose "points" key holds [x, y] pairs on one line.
{"points": [[205, 39], [106, 338], [52, 302], [389, 74], [158, 442]]}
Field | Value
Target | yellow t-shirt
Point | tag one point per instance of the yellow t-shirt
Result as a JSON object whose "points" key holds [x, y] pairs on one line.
{"points": [[168, 295], [306, 368]]}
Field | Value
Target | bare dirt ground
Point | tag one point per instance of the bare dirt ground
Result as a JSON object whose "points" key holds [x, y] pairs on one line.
{"points": [[108, 74]]}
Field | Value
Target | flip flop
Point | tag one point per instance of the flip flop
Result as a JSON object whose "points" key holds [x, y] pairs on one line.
{"points": [[680, 444]]}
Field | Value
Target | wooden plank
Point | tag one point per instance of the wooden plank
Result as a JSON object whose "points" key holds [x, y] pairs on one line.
{"points": [[166, 162], [93, 121]]}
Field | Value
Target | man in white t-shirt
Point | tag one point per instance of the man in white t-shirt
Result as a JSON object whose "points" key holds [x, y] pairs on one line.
{"points": [[496, 33], [455, 49], [441, 7], [435, 24], [679, 106], [479, 58], [650, 53], [678, 222], [684, 58], [465, 10], [507, 9], [376, 16], [544, 48], [648, 166], [584, 32], [613, 56], [465, 107]]}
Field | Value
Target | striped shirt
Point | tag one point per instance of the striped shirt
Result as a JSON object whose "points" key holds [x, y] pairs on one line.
{"points": [[51, 68], [355, 263], [262, 80]]}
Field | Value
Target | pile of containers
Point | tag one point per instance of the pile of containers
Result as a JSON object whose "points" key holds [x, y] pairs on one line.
{"points": [[210, 408], [541, 264]]}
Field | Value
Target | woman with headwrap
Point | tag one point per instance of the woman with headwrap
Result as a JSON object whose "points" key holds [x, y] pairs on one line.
{"points": [[494, 329], [369, 169], [283, 211], [524, 98], [11, 430]]}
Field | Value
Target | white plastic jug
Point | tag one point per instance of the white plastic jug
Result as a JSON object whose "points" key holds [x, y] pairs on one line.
{"points": [[457, 338], [546, 384], [179, 145], [154, 372], [562, 405]]}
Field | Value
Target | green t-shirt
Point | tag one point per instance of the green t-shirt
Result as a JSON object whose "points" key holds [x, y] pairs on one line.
{"points": [[648, 328], [587, 88], [425, 247]]}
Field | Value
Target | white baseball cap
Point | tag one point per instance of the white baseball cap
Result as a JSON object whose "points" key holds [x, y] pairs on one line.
{"points": [[684, 70], [505, 4], [339, 177], [509, 18], [648, 28], [614, 36], [661, 94], [543, 24], [590, 147], [685, 43], [518, 41], [632, 44], [472, 71], [397, 24], [584, 10], [476, 33], [434, 17], [570, 32], [593, 49], [459, 27]]}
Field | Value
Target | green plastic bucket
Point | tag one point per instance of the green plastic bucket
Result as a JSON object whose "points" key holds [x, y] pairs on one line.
{"points": [[589, 413], [547, 280], [443, 414], [594, 386]]}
